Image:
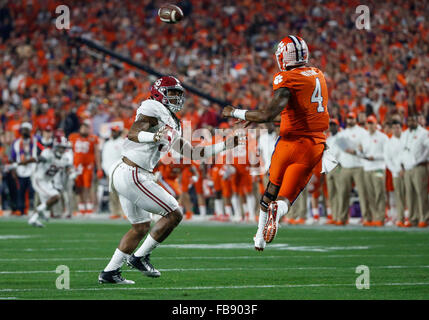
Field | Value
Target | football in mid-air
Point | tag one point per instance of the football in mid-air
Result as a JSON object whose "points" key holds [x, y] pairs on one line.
{"points": [[170, 13]]}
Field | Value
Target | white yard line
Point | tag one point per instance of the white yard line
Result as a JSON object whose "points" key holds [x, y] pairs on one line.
{"points": [[223, 257], [118, 287], [222, 269]]}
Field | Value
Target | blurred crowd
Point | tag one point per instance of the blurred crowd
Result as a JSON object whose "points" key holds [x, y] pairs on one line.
{"points": [[224, 48]]}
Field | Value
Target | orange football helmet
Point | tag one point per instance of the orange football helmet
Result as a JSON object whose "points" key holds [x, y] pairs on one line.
{"points": [[291, 51]]}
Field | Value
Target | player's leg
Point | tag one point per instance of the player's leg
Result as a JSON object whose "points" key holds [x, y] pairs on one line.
{"points": [[128, 193], [153, 198], [277, 169], [235, 198], [88, 191], [218, 201], [79, 195], [202, 207], [246, 183], [226, 195], [358, 177], [140, 224], [294, 169], [48, 197], [345, 182], [186, 203]]}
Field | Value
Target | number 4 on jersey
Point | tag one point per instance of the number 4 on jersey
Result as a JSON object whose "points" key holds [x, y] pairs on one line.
{"points": [[316, 97]]}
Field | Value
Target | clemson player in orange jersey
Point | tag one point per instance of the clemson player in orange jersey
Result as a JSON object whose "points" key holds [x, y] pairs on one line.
{"points": [[86, 156], [300, 98]]}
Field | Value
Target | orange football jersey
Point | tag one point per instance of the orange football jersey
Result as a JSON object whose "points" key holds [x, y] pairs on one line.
{"points": [[306, 113], [83, 148]]}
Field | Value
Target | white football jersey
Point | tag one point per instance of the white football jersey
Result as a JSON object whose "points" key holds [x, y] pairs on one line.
{"points": [[48, 168], [146, 155]]}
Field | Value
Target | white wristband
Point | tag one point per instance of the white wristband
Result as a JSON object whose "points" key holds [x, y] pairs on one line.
{"points": [[239, 114], [214, 149], [145, 136]]}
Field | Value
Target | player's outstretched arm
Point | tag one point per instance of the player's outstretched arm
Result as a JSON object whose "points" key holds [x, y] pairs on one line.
{"points": [[185, 148], [269, 114]]}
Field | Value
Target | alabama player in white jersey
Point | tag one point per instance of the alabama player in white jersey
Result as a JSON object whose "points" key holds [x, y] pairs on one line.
{"points": [[155, 131], [50, 163]]}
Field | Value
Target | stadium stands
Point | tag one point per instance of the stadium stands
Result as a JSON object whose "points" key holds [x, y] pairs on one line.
{"points": [[223, 47]]}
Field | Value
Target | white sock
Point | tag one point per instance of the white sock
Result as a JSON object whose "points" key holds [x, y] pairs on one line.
{"points": [[89, 206], [236, 205], [218, 204], [250, 200], [329, 211], [315, 212], [228, 210], [203, 210], [261, 223], [147, 247], [41, 207], [282, 208], [117, 260], [33, 217], [81, 207]]}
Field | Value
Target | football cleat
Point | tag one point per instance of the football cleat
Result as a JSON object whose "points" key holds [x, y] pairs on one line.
{"points": [[34, 221], [272, 224], [143, 264], [36, 224], [259, 243], [113, 276]]}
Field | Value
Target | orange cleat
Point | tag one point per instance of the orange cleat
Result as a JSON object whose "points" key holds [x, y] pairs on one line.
{"points": [[300, 221], [292, 221], [367, 223], [188, 215], [113, 217], [16, 213], [1, 213], [422, 224], [378, 223], [272, 224], [331, 222], [407, 224], [340, 223], [400, 224]]}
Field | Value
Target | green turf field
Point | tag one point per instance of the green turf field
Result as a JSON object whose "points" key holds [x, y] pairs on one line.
{"points": [[216, 261]]}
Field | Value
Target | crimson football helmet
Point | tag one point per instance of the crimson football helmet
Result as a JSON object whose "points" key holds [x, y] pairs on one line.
{"points": [[291, 51], [60, 145], [160, 91]]}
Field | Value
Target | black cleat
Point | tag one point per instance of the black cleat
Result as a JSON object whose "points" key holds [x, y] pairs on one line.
{"points": [[143, 264], [113, 277]]}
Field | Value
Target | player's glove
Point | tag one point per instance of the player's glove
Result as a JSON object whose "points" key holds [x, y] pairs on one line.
{"points": [[164, 135]]}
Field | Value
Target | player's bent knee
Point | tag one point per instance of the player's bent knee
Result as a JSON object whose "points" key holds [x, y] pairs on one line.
{"points": [[176, 216]]}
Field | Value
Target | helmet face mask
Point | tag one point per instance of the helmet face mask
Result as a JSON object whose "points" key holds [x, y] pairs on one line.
{"points": [[169, 92], [291, 51], [60, 146]]}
